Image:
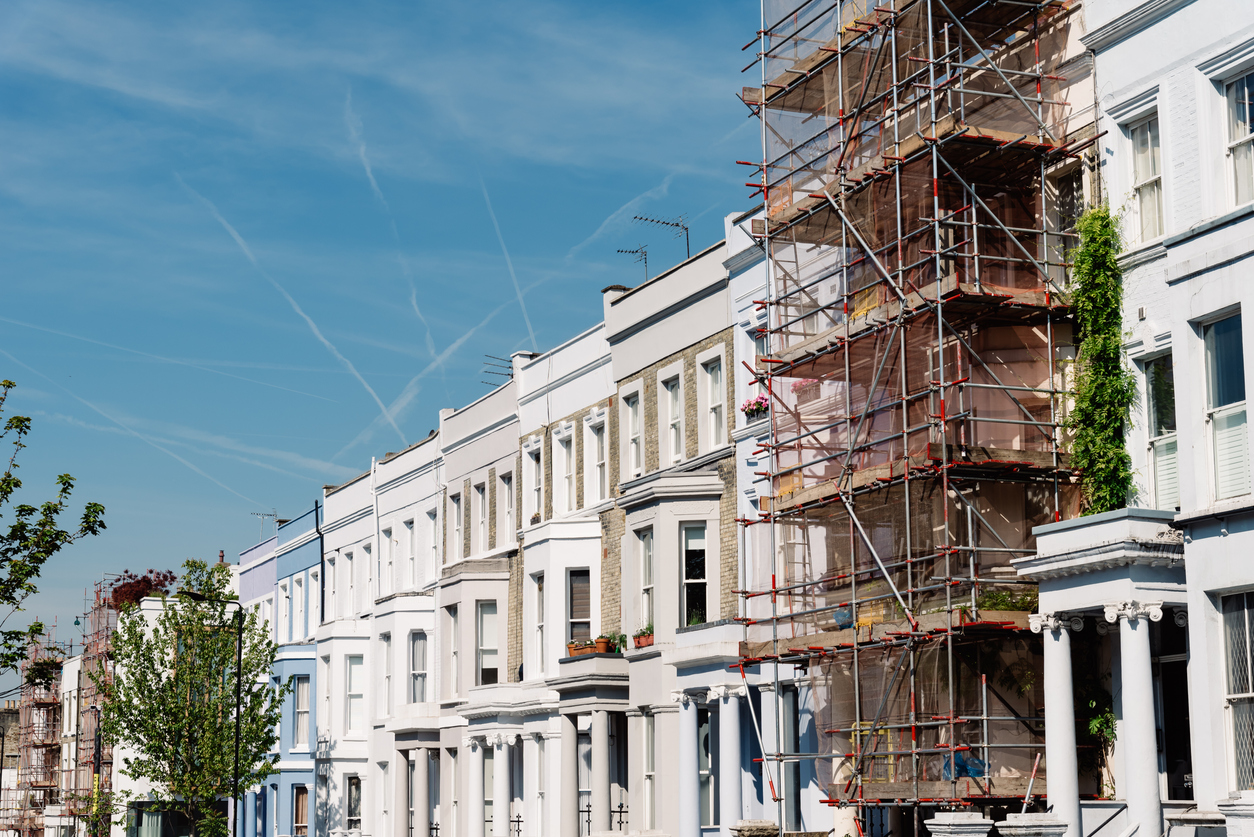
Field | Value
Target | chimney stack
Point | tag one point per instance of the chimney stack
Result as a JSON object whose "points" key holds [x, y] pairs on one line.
{"points": [[221, 556]]}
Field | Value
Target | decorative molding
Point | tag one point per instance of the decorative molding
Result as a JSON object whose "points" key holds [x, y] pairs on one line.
{"points": [[1134, 610], [1229, 63], [1134, 107], [724, 692], [1181, 617], [1130, 23], [1040, 622], [682, 698]]}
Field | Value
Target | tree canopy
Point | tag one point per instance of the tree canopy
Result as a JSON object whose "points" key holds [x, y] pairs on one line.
{"points": [[32, 537], [170, 707]]}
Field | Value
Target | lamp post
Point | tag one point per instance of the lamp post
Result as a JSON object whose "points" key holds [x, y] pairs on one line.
{"points": [[239, 664]]}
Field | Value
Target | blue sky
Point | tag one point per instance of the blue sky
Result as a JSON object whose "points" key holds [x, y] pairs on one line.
{"points": [[248, 246]]}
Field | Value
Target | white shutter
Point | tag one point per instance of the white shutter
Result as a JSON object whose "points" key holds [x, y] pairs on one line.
{"points": [[1232, 455], [1166, 479]]}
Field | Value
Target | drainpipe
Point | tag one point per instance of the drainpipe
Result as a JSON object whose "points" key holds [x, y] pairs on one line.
{"points": [[322, 567]]}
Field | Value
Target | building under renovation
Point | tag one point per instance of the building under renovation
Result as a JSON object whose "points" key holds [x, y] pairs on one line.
{"points": [[923, 165]]}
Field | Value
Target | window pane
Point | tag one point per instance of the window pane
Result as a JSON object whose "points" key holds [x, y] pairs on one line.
{"points": [[1243, 740], [1160, 381], [1166, 479], [694, 552], [1232, 456], [1145, 153], [1237, 644], [1240, 109], [1243, 172], [1150, 207], [1226, 365]]}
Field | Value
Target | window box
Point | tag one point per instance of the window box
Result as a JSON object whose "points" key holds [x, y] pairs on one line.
{"points": [[578, 649], [643, 640]]}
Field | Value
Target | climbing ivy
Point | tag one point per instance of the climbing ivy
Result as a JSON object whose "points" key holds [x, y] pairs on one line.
{"points": [[1104, 388]]}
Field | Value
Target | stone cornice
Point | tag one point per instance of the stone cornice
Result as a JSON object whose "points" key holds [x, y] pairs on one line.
{"points": [[1130, 23], [1164, 552]]}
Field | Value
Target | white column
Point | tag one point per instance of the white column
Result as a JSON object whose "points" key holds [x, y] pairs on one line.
{"points": [[958, 824], [1062, 787], [474, 789], [568, 793], [729, 756], [600, 770], [400, 793], [1145, 807], [689, 784], [422, 793], [500, 786]]}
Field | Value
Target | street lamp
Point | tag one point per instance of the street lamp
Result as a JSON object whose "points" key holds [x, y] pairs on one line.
{"points": [[239, 664]]}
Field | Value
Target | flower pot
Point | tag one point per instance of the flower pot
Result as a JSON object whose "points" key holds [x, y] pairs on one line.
{"points": [[604, 645], [643, 641], [571, 648], [583, 649]]}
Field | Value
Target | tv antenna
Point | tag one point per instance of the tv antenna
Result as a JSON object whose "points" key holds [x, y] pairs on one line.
{"points": [[677, 223], [642, 255], [273, 514], [504, 364]]}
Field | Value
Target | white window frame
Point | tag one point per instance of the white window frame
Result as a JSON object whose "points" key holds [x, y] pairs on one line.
{"points": [[533, 474], [482, 640], [481, 518], [648, 571], [564, 458], [352, 823], [285, 610], [596, 484], [571, 621], [671, 417], [299, 630], [411, 544], [388, 547], [1162, 448], [299, 711], [1239, 148], [385, 653], [1147, 183], [331, 589], [1239, 697], [454, 645], [685, 582], [631, 420], [1216, 416], [538, 581], [354, 693], [458, 550], [649, 749], [433, 550], [314, 589], [350, 572], [417, 666], [716, 398], [506, 492]]}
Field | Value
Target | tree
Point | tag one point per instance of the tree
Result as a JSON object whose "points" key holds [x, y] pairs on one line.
{"points": [[34, 536], [171, 708], [1104, 388]]}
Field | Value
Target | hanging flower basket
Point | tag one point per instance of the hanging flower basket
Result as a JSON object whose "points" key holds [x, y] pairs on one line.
{"points": [[755, 407]]}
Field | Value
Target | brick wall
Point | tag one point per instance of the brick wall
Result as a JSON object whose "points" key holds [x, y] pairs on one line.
{"points": [[728, 541], [613, 527], [491, 498]]}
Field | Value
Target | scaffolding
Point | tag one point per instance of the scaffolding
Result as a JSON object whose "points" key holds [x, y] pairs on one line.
{"points": [[90, 777], [39, 738], [919, 184]]}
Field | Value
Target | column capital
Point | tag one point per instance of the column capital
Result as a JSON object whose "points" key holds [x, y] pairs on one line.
{"points": [[1058, 621], [475, 742], [725, 692], [682, 698], [1131, 610]]}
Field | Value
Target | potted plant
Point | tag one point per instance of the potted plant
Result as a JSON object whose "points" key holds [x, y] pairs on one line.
{"points": [[535, 518], [604, 644], [643, 637], [755, 407]]}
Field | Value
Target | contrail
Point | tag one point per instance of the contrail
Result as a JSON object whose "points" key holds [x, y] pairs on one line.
{"points": [[159, 357], [509, 264], [412, 388], [657, 191], [243, 245], [353, 124], [131, 430]]}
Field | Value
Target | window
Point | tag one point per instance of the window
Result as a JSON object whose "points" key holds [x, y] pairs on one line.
{"points": [[1147, 181], [650, 772], [1240, 703], [481, 517], [300, 727], [632, 403], [455, 681], [487, 644], [331, 613], [385, 699], [489, 784], [540, 785], [456, 511], [386, 792], [507, 499], [714, 401], [350, 601], [1225, 368], [455, 793], [1241, 137], [411, 542], [674, 420], [694, 574], [539, 623], [354, 698], [600, 471], [433, 532], [646, 578], [417, 667], [761, 348], [1161, 391], [385, 574], [568, 473], [314, 588], [705, 770], [352, 804], [300, 811], [535, 494], [285, 606], [298, 608], [579, 598], [363, 590]]}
